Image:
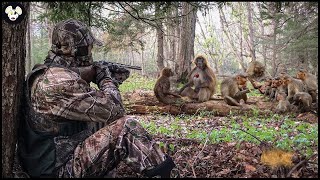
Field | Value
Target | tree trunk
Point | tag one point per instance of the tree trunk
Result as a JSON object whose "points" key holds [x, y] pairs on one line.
{"points": [[264, 47], [209, 50], [226, 31], [274, 38], [186, 51], [13, 74], [143, 62], [177, 38], [160, 58], [251, 33], [241, 40], [28, 45]]}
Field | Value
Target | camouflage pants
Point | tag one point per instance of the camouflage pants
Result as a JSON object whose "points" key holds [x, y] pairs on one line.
{"points": [[123, 140]]}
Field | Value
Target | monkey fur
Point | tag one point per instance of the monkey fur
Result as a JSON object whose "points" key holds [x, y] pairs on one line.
{"points": [[283, 105], [303, 100], [233, 89], [162, 87], [255, 70], [293, 86], [310, 81], [202, 78]]}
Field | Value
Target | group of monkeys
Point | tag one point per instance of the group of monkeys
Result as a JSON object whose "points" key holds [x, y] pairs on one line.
{"points": [[293, 93]]}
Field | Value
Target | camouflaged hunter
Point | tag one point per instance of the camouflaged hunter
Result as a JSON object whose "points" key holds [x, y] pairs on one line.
{"points": [[61, 133]]}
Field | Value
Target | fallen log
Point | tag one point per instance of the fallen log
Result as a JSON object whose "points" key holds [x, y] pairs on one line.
{"points": [[144, 102]]}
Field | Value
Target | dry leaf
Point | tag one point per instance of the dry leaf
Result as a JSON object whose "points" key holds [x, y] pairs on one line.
{"points": [[249, 168]]}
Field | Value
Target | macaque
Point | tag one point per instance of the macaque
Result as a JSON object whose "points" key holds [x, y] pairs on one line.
{"points": [[284, 105], [277, 86], [265, 89], [310, 81], [294, 86], [255, 73], [202, 78], [162, 88], [234, 88], [303, 100]]}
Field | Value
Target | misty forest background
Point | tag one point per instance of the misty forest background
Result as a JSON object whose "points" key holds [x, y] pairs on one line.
{"points": [[157, 34], [281, 35]]}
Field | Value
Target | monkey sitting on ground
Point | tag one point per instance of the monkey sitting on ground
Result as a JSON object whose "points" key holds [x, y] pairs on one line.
{"points": [[303, 100], [265, 89], [234, 88], [284, 105], [203, 79], [277, 85], [162, 88], [310, 81], [256, 72], [294, 86]]}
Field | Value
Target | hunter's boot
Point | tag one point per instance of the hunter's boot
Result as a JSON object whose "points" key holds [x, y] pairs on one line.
{"points": [[163, 170]]}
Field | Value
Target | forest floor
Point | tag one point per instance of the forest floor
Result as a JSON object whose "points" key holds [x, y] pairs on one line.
{"points": [[210, 145]]}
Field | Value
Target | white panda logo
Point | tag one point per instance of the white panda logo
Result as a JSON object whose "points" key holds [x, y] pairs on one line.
{"points": [[13, 14]]}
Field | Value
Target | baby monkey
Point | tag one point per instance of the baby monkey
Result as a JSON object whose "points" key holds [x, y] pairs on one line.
{"points": [[284, 105], [162, 88]]}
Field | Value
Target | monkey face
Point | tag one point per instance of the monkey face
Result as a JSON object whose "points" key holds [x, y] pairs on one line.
{"points": [[268, 82], [258, 71], [301, 75], [200, 63], [241, 81], [167, 72]]}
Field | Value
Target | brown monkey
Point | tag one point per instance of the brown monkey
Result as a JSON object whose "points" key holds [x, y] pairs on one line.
{"points": [[265, 89], [233, 89], [162, 87], [202, 78], [284, 105], [310, 81], [255, 73], [277, 86], [294, 86], [303, 100]]}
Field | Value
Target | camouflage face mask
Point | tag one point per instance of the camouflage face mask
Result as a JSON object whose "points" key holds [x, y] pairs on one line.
{"points": [[70, 41]]}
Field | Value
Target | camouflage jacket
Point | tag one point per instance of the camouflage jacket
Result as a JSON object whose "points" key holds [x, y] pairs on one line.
{"points": [[59, 108], [61, 93]]}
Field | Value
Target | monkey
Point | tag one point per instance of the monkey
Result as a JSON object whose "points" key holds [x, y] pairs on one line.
{"points": [[202, 78], [255, 71], [265, 89], [284, 105], [293, 86], [303, 100], [310, 81], [234, 88], [162, 87], [277, 86]]}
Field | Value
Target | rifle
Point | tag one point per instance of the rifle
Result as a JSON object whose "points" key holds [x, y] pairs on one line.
{"points": [[111, 65], [119, 72]]}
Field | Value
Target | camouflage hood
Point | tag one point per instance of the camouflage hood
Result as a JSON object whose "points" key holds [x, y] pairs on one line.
{"points": [[69, 39]]}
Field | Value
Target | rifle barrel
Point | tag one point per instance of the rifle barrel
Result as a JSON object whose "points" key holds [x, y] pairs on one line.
{"points": [[122, 65]]}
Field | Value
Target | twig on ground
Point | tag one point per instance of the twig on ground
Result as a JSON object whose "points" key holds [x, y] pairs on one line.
{"points": [[205, 143], [299, 164]]}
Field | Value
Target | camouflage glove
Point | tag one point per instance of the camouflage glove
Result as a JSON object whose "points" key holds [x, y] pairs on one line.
{"points": [[118, 73], [102, 72]]}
